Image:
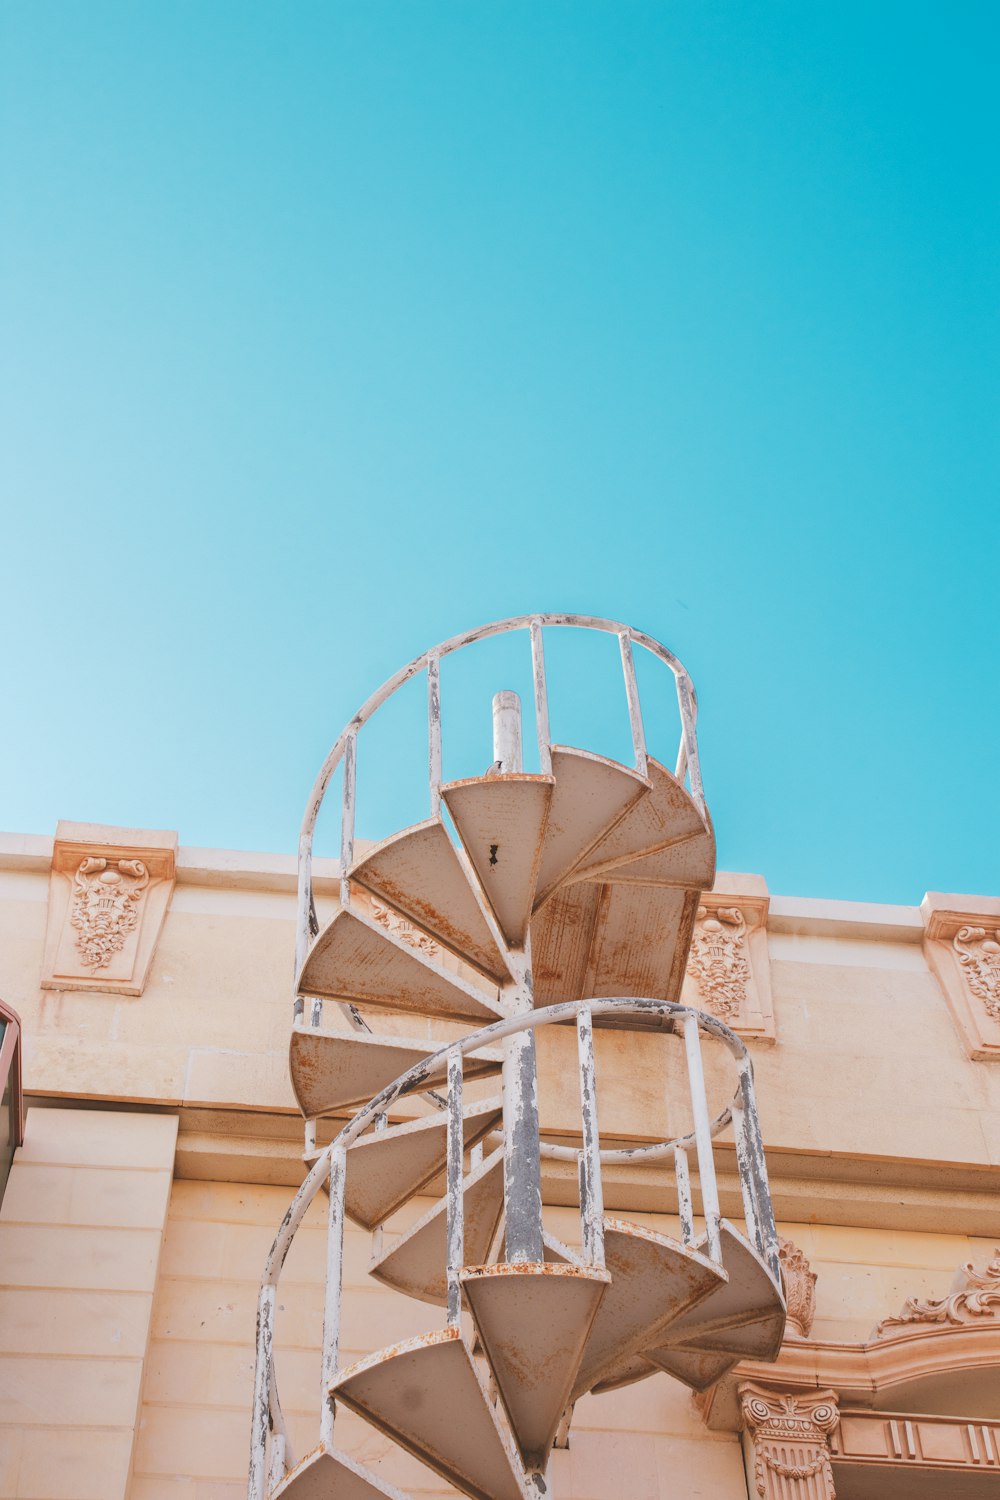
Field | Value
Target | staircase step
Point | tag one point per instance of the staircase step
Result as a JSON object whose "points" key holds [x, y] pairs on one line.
{"points": [[642, 935], [355, 958], [561, 937], [591, 796], [632, 1368], [533, 1321], [697, 1368], [335, 1070], [326, 1474], [416, 1264], [744, 1317], [501, 823], [388, 1167], [664, 818], [689, 865], [427, 1395], [419, 873], [654, 1282]]}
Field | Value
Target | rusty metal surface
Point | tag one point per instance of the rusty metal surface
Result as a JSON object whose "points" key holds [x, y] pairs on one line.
{"points": [[632, 1368], [418, 872], [501, 822], [744, 1317], [689, 864], [354, 958], [533, 1321], [385, 1170], [635, 942], [696, 1368], [654, 1282], [663, 819], [561, 937], [591, 795], [326, 1473], [417, 1264], [334, 1070], [427, 1395]]}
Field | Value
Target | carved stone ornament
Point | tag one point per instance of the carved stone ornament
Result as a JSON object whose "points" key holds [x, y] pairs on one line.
{"points": [[729, 968], [791, 1441], [800, 1289], [108, 894], [975, 1295], [978, 950], [718, 962]]}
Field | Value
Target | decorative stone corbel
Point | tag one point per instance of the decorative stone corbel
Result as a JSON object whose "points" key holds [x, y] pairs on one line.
{"points": [[790, 1438], [728, 971], [800, 1290], [109, 889], [974, 1298], [962, 946]]}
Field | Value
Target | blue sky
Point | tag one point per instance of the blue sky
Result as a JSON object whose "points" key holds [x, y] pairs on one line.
{"points": [[329, 330]]}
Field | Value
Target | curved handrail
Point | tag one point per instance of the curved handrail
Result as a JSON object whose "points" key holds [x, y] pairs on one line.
{"points": [[687, 703], [267, 1408]]}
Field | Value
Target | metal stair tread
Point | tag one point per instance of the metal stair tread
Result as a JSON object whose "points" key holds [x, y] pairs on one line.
{"points": [[416, 1263], [328, 1474], [746, 1316], [418, 872], [591, 796], [386, 1168], [695, 1368], [533, 1321], [354, 958], [336, 1070], [665, 818], [628, 1371], [427, 1395], [501, 821], [655, 1280], [688, 865]]}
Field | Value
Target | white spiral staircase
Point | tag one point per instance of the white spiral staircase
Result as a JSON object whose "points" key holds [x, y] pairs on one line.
{"points": [[524, 900]]}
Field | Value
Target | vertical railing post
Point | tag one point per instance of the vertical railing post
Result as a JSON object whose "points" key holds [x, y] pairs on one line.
{"points": [[689, 748], [758, 1172], [434, 733], [276, 1465], [702, 1135], [591, 1188], [347, 816], [541, 699], [256, 1489], [455, 1212], [748, 1184], [634, 706], [334, 1287], [685, 1207], [507, 731]]}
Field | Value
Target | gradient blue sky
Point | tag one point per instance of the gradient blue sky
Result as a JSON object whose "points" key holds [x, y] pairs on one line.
{"points": [[329, 330]]}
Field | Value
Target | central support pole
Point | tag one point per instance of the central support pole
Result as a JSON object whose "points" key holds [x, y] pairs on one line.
{"points": [[522, 1166]]}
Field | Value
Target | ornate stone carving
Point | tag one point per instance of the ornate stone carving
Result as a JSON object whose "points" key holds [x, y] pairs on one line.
{"points": [[106, 897], [978, 950], [718, 962], [800, 1289], [974, 1295], [791, 1441], [399, 927]]}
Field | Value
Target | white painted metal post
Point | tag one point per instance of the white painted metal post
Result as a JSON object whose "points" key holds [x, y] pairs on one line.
{"points": [[276, 1465], [748, 1186], [702, 1136], [455, 1184], [634, 706], [685, 1208], [256, 1489], [758, 1172], [541, 699], [507, 731], [334, 1285], [347, 816], [434, 733], [591, 1188]]}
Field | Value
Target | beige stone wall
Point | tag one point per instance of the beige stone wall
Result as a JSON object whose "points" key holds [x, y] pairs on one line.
{"points": [[81, 1230]]}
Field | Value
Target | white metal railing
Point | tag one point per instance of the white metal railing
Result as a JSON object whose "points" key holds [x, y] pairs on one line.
{"points": [[331, 1166], [344, 751]]}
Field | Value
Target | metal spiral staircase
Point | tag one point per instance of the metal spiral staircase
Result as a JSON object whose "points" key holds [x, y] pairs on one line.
{"points": [[565, 897]]}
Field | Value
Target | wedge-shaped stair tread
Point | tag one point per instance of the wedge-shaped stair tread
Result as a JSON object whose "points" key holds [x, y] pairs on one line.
{"points": [[416, 1264], [591, 795], [427, 1395], [634, 1367], [533, 1321], [745, 1317], [689, 866], [333, 1070], [640, 944], [326, 1474], [419, 873], [386, 1168], [561, 937], [697, 1368], [665, 817], [356, 959], [654, 1281], [501, 822]]}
